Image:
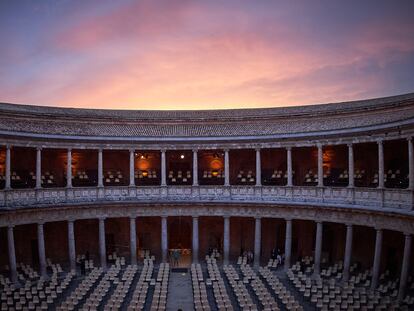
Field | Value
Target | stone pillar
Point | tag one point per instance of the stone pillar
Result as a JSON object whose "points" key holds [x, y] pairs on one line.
{"points": [[102, 243], [380, 164], [12, 255], [320, 165], [195, 168], [8, 167], [318, 248], [195, 239], [257, 241], [348, 252], [405, 267], [351, 169], [164, 238], [69, 169], [258, 168], [226, 240], [132, 168], [39, 168], [42, 252], [163, 169], [133, 240], [226, 168], [289, 167], [288, 243], [410, 164], [100, 168], [72, 245], [377, 259]]}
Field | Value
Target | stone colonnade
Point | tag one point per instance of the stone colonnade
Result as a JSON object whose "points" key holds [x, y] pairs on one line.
{"points": [[226, 166], [226, 247]]}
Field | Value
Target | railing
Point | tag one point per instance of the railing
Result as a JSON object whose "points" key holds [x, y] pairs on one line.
{"points": [[371, 198]]}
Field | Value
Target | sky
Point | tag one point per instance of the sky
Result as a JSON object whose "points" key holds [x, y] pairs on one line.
{"points": [[182, 54]]}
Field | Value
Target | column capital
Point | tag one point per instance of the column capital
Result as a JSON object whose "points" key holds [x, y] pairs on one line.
{"points": [[319, 145], [226, 217], [410, 138], [8, 146], [10, 227], [164, 217], [348, 225], [132, 217], [195, 217], [101, 218], [350, 145], [40, 223], [100, 149], [378, 229], [258, 217], [195, 149], [69, 149], [407, 235], [380, 141], [288, 219], [131, 150], [38, 148], [319, 222], [72, 220], [258, 149], [289, 148], [163, 150]]}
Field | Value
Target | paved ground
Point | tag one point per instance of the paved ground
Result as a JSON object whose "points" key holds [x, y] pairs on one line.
{"points": [[180, 292]]}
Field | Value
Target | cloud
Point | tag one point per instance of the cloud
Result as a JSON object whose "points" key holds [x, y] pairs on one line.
{"points": [[195, 55]]}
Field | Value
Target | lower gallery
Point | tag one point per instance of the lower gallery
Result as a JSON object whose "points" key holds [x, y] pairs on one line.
{"points": [[251, 209]]}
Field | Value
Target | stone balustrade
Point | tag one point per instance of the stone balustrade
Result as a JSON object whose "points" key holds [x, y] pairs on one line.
{"points": [[369, 198]]}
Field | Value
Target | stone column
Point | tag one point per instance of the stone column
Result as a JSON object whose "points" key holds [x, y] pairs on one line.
{"points": [[348, 252], [195, 168], [226, 240], [288, 243], [39, 168], [289, 167], [257, 241], [102, 243], [410, 164], [8, 167], [164, 238], [380, 164], [226, 168], [72, 245], [351, 169], [163, 169], [42, 252], [377, 259], [318, 248], [12, 255], [258, 168], [100, 168], [132, 168], [133, 240], [195, 239], [69, 170], [405, 267], [320, 165]]}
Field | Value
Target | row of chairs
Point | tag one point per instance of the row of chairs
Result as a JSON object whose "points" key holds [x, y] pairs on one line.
{"points": [[159, 298], [139, 296], [200, 298], [215, 279], [262, 293], [244, 300], [328, 292]]}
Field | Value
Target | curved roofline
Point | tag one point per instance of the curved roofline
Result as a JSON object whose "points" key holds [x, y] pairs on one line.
{"points": [[218, 114]]}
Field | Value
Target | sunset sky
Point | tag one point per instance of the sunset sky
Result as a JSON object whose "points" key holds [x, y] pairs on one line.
{"points": [[203, 54]]}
